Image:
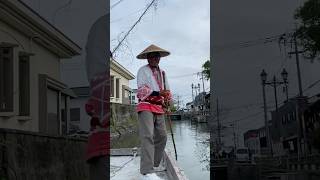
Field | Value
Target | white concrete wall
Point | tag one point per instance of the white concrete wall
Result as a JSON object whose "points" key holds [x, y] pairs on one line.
{"points": [[43, 62], [123, 81]]}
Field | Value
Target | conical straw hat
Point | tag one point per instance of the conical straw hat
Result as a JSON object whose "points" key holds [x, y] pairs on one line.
{"points": [[152, 48]]}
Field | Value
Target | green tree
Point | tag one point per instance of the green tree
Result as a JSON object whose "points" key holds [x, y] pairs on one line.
{"points": [[206, 69], [308, 29]]}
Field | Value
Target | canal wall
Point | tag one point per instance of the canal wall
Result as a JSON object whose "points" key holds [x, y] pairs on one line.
{"points": [[35, 156], [123, 121], [243, 172]]}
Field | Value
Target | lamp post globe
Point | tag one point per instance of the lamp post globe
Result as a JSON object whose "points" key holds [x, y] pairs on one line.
{"points": [[284, 75], [263, 76]]}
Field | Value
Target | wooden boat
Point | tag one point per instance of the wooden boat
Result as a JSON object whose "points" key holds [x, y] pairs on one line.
{"points": [[125, 164]]}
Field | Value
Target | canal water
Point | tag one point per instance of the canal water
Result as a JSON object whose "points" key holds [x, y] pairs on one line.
{"points": [[192, 143], [193, 149]]}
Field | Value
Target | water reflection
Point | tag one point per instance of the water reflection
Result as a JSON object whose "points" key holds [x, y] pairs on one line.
{"points": [[192, 143]]}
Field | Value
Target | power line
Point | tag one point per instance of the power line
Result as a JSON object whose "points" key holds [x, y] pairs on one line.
{"points": [[68, 4], [185, 75], [116, 48], [130, 14], [245, 118], [251, 115], [115, 4], [246, 44], [311, 86]]}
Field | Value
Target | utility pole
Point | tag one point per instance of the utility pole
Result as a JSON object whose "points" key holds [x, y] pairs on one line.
{"points": [[192, 92], [234, 136], [178, 97], [296, 52], [202, 82], [274, 82], [266, 124], [201, 78], [299, 100], [219, 126], [195, 89]]}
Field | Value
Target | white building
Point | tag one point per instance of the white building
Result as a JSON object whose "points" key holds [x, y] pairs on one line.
{"points": [[32, 96], [133, 97], [120, 91]]}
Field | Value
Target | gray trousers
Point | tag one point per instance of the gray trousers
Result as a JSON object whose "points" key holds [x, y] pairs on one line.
{"points": [[153, 138]]}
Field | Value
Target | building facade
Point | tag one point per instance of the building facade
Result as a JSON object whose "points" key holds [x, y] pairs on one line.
{"points": [[120, 94], [286, 131], [120, 91], [312, 125], [32, 96]]}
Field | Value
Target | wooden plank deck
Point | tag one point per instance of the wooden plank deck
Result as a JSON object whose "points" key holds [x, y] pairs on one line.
{"points": [[125, 165]]}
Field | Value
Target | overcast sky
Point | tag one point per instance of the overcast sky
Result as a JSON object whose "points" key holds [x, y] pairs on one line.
{"points": [[74, 18], [179, 26], [236, 71]]}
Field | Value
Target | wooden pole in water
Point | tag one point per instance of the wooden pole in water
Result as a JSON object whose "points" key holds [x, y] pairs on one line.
{"points": [[170, 125], [168, 116]]}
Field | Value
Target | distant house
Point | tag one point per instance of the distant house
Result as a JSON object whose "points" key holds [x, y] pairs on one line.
{"points": [[32, 97], [199, 101], [120, 94], [133, 97], [252, 141], [79, 119], [312, 123], [256, 141], [285, 127], [189, 106], [120, 91]]}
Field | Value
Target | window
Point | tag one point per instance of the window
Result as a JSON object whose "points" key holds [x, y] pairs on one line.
{"points": [[63, 107], [117, 88], [112, 87], [6, 79], [292, 118], [24, 86], [242, 151], [75, 114], [53, 126]]}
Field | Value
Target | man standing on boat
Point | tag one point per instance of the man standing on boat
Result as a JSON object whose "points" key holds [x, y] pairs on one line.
{"points": [[154, 96]]}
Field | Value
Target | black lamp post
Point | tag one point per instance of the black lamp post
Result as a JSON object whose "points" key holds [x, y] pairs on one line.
{"points": [[274, 83], [263, 76], [284, 75]]}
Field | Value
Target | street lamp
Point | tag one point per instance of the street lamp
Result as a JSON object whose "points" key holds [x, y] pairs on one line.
{"points": [[284, 75], [274, 83], [263, 76]]}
